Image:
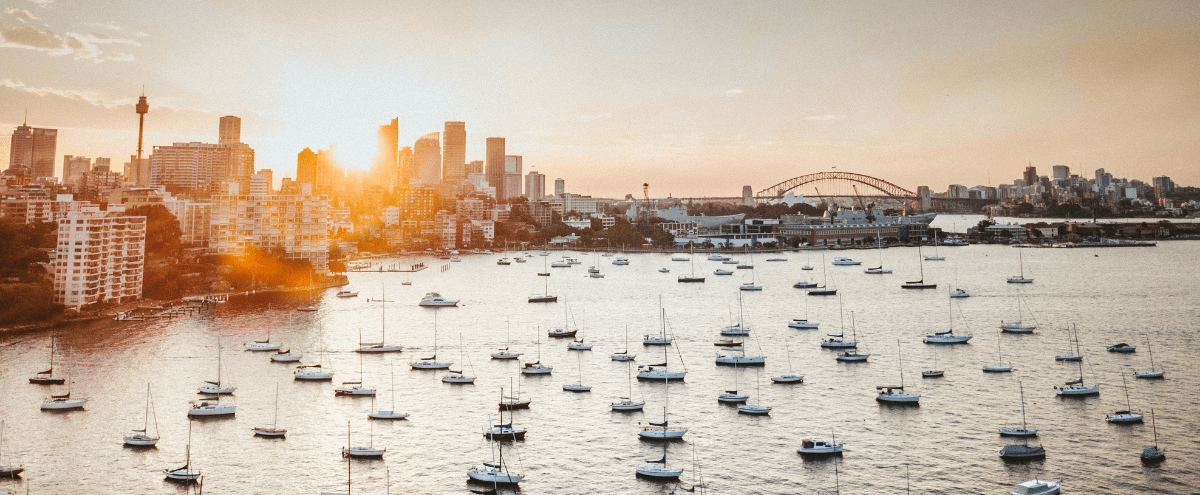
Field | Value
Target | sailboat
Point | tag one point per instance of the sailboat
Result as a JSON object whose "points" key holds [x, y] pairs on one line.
{"points": [[738, 329], [389, 414], [536, 367], [47, 377], [361, 452], [755, 409], [494, 473], [662, 338], [314, 372], [579, 344], [1072, 337], [431, 362], [936, 372], [1018, 326], [285, 355], [578, 387], [513, 401], [691, 278], [142, 438], [458, 376], [14, 471], [750, 285], [657, 469], [381, 346], [1023, 451], [263, 345], [1020, 279], [215, 388], [838, 341], [1128, 415], [274, 430], [935, 256], [919, 284], [803, 324], [65, 401], [504, 431], [627, 404], [623, 355], [1024, 430], [958, 293], [879, 269], [732, 396], [184, 473], [545, 297], [999, 367], [948, 336], [355, 388], [741, 329], [808, 260], [892, 394], [566, 330], [1076, 388], [790, 377], [1150, 455], [664, 430], [823, 289], [1152, 373], [505, 353]]}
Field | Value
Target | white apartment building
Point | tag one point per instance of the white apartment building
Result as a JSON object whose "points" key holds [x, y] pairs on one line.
{"points": [[100, 256], [39, 209], [296, 223], [195, 219], [390, 216], [188, 166]]}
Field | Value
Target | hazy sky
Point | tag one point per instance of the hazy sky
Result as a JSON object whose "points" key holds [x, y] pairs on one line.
{"points": [[695, 98]]}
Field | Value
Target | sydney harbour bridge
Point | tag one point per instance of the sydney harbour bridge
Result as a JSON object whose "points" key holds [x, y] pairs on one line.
{"points": [[849, 188]]}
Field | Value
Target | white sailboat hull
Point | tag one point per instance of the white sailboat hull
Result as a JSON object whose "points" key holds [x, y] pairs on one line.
{"points": [[788, 379], [363, 452], [212, 410], [660, 433], [260, 346], [140, 441], [313, 376], [285, 358], [429, 365], [354, 391], [628, 406], [660, 375], [386, 415], [946, 339], [505, 355], [742, 360], [753, 409], [1077, 391], [380, 349], [58, 405], [659, 472], [803, 325], [490, 476], [181, 474], [270, 432]]}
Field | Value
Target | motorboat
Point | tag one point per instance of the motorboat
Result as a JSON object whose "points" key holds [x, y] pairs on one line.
{"points": [[722, 272], [717, 257], [620, 261], [1122, 348], [435, 300], [209, 409], [852, 356], [804, 284], [1036, 487], [347, 293], [816, 447], [843, 261], [664, 270], [1020, 452]]}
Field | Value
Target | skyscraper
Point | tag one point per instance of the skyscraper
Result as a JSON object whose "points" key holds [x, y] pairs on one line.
{"points": [[475, 167], [74, 168], [560, 187], [384, 166], [1031, 177], [1062, 172], [535, 186], [306, 167], [493, 165], [32, 151], [454, 152], [427, 159], [404, 166], [512, 177], [231, 130], [193, 167]]}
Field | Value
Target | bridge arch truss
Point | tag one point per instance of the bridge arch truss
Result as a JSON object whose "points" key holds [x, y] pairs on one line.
{"points": [[884, 187]]}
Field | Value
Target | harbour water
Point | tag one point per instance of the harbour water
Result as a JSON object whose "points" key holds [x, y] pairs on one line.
{"points": [[575, 445]]}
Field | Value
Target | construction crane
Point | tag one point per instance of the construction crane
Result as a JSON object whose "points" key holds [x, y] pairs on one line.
{"points": [[870, 217]]}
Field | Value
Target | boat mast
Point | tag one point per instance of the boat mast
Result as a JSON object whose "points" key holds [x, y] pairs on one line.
{"points": [[1124, 385], [900, 359], [1154, 427], [275, 422], [1151, 353], [146, 425], [1024, 428]]}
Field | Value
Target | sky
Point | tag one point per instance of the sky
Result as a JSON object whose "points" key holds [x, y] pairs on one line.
{"points": [[695, 98]]}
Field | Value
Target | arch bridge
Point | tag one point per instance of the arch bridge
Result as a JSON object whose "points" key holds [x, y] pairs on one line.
{"points": [[878, 188]]}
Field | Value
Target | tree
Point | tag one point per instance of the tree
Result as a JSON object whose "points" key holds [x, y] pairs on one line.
{"points": [[162, 231]]}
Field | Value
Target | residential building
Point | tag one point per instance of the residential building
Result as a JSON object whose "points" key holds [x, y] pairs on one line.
{"points": [[194, 217], [479, 183], [494, 165], [321, 170], [137, 172], [417, 203], [475, 167], [100, 257], [27, 208], [454, 152], [31, 152], [74, 168], [512, 176], [585, 205], [295, 223], [427, 159], [535, 186], [193, 167], [262, 183], [390, 216]]}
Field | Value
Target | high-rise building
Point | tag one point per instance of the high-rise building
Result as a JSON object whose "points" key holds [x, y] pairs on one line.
{"points": [[404, 166], [230, 131], [512, 177], [188, 166], [475, 167], [493, 164], [31, 154], [1062, 172], [262, 183], [560, 187], [454, 152], [137, 172], [1163, 182], [384, 167], [320, 169], [427, 159], [306, 167], [296, 223], [103, 164], [101, 255], [1031, 176], [240, 164], [535, 186], [74, 168]]}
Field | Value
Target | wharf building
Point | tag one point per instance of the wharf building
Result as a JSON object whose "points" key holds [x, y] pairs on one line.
{"points": [[297, 223], [100, 256]]}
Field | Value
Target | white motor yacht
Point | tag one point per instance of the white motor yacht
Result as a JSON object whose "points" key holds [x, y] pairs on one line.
{"points": [[205, 408], [347, 293], [435, 300], [1036, 487], [843, 261], [816, 447]]}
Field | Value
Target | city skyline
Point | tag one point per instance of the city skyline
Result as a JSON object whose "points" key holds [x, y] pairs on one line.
{"points": [[635, 98]]}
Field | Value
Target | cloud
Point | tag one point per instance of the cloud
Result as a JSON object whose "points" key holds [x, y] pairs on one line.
{"points": [[82, 46], [20, 15], [589, 118], [71, 94], [734, 92], [106, 26], [42, 3], [824, 118], [140, 34]]}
